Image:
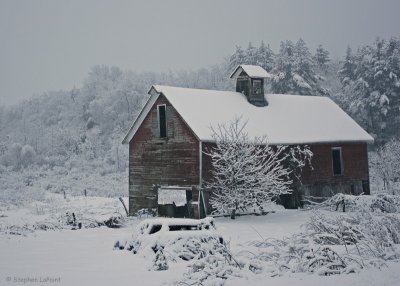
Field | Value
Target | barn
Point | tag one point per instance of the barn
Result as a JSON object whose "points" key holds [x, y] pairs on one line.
{"points": [[168, 166]]}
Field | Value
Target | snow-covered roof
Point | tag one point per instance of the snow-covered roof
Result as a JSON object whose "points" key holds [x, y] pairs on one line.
{"points": [[172, 195], [287, 119], [251, 71]]}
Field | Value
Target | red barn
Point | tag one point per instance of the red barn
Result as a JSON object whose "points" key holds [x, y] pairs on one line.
{"points": [[167, 140]]}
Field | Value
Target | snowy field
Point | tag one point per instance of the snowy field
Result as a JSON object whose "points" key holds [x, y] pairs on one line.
{"points": [[86, 256]]}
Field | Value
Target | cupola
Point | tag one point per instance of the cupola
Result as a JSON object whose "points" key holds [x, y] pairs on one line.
{"points": [[250, 82]]}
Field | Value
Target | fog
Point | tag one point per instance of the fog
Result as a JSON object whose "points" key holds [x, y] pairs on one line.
{"points": [[50, 45]]}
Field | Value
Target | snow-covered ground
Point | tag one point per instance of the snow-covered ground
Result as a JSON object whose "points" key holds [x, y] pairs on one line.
{"points": [[86, 256], [56, 212]]}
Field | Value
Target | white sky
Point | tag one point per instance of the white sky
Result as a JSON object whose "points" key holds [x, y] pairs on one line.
{"points": [[50, 44]]}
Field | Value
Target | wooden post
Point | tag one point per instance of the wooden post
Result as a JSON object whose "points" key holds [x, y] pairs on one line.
{"points": [[123, 203]]}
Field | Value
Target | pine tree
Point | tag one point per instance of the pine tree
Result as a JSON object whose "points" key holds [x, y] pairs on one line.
{"points": [[393, 64], [283, 70], [322, 58], [237, 58], [251, 55], [371, 85], [265, 57], [347, 72], [305, 67], [294, 71]]}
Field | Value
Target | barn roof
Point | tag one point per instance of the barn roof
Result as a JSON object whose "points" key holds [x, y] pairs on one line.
{"points": [[287, 119]]}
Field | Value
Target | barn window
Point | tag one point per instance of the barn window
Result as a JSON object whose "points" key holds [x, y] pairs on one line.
{"points": [[162, 120], [337, 161]]}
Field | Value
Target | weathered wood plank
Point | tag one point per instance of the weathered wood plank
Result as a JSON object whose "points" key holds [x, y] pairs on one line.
{"points": [[167, 161]]}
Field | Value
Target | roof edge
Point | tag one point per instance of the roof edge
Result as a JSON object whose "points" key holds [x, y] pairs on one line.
{"points": [[234, 71], [367, 141], [243, 68], [140, 118]]}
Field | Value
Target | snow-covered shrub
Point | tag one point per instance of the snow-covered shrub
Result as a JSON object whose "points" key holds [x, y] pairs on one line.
{"points": [[165, 240], [369, 203], [331, 245], [327, 247], [334, 231], [373, 235], [159, 261], [299, 253], [115, 221], [194, 247], [212, 268], [385, 165]]}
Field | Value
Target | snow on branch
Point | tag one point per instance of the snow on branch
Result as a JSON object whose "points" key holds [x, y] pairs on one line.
{"points": [[384, 203], [248, 172]]}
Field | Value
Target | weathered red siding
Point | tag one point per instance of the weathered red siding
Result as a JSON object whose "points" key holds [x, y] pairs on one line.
{"points": [[320, 181], [161, 161]]}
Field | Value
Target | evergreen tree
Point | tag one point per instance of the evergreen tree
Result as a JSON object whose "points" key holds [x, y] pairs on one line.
{"points": [[294, 71], [238, 58], [347, 72], [371, 85], [265, 57], [251, 55], [322, 58], [305, 65], [393, 116], [282, 79]]}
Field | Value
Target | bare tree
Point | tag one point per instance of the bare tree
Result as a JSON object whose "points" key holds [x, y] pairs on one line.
{"points": [[386, 165], [247, 172]]}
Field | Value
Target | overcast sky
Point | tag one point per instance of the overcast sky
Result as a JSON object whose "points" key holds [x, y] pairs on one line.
{"points": [[50, 45]]}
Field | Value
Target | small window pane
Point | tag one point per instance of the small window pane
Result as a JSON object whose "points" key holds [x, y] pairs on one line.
{"points": [[337, 162]]}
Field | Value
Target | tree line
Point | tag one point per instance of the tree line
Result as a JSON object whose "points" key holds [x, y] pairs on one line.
{"points": [[88, 122], [365, 83]]}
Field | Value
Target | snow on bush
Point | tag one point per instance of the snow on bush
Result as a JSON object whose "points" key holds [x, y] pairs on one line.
{"points": [[372, 203], [212, 269], [329, 245], [372, 235], [54, 212], [160, 261], [343, 244], [385, 166], [180, 239], [299, 253]]}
